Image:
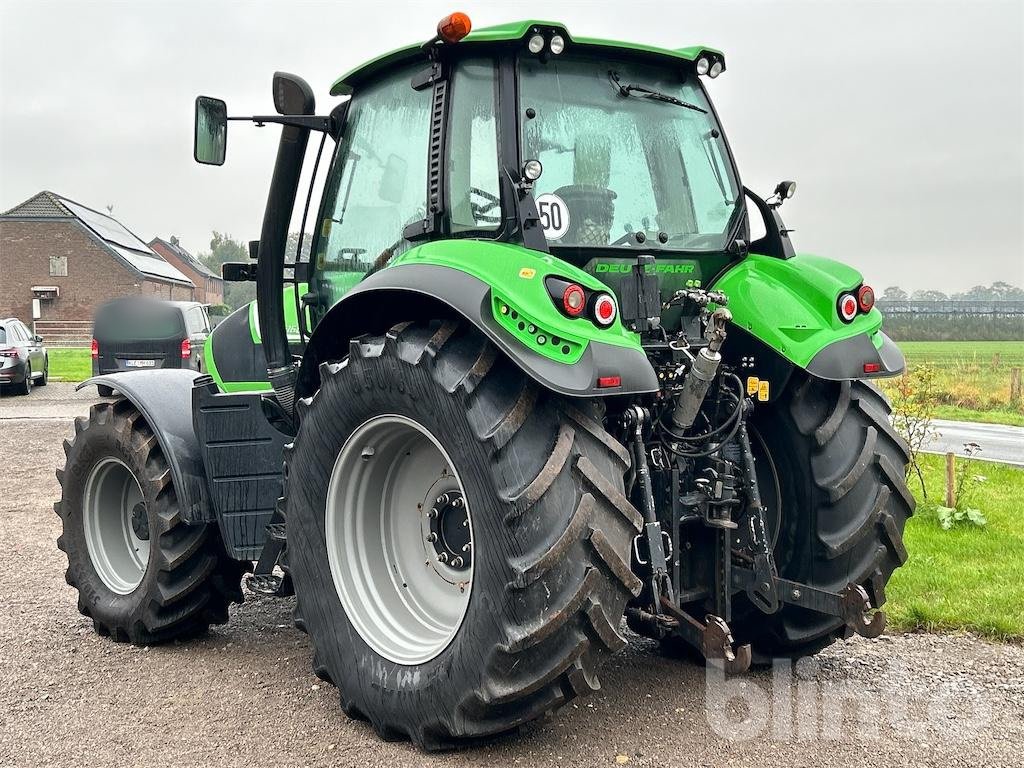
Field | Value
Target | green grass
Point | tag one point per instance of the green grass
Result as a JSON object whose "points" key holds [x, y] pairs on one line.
{"points": [[974, 377], [967, 578], [70, 364]]}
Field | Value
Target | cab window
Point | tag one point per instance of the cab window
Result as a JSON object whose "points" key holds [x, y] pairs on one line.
{"points": [[378, 182], [474, 193]]}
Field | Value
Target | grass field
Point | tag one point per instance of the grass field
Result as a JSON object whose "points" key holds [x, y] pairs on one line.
{"points": [[973, 376], [70, 364], [967, 578]]}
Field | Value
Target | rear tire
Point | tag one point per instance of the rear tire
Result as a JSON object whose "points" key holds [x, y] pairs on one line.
{"points": [[45, 378], [25, 388], [844, 504], [104, 391], [551, 536], [183, 582]]}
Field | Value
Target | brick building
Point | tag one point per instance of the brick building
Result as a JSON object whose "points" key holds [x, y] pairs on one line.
{"points": [[72, 259], [209, 285]]}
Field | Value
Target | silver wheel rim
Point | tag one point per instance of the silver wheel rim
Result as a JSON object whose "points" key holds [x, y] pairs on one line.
{"points": [[405, 591], [118, 545]]}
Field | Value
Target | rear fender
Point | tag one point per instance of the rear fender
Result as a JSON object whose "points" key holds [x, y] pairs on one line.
{"points": [[790, 306], [472, 280], [164, 398]]}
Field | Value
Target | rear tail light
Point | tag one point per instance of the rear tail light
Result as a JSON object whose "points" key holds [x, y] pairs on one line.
{"points": [[604, 309], [847, 307], [95, 349], [866, 298], [603, 382], [872, 367], [186, 349], [574, 300], [12, 352]]}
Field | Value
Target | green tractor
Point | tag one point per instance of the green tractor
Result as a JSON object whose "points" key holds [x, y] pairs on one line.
{"points": [[535, 376]]}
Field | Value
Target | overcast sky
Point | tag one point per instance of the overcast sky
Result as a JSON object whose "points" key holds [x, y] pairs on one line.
{"points": [[903, 123]]}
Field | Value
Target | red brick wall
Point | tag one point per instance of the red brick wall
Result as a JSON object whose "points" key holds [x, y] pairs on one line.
{"points": [[93, 274], [208, 290]]}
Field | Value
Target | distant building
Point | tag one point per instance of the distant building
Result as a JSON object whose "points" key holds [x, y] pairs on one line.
{"points": [[209, 285], [72, 259]]}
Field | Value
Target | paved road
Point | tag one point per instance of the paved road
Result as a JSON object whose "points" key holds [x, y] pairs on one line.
{"points": [[244, 695], [998, 442]]}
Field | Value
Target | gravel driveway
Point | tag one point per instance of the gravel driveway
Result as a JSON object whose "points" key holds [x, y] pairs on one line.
{"points": [[244, 695]]}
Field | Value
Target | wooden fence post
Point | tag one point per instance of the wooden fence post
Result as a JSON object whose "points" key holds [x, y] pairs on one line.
{"points": [[1016, 395], [951, 480]]}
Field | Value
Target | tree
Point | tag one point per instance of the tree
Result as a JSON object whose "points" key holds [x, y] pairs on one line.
{"points": [[224, 248], [929, 296], [894, 293]]}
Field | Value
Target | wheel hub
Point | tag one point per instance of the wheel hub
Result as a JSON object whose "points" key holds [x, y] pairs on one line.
{"points": [[448, 523], [140, 521]]}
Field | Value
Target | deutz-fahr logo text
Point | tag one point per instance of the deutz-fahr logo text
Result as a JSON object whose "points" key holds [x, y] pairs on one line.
{"points": [[673, 269]]}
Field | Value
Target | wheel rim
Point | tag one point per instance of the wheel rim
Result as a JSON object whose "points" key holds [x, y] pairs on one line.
{"points": [[399, 539], [116, 525]]}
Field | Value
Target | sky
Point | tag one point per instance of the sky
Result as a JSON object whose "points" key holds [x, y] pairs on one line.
{"points": [[902, 122]]}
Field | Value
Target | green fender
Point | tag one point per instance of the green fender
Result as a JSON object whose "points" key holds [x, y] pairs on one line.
{"points": [[790, 305], [500, 289]]}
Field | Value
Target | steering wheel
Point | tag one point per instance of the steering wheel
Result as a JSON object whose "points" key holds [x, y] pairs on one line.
{"points": [[481, 211]]}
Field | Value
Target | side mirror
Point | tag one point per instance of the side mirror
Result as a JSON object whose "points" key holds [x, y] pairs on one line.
{"points": [[238, 271], [211, 131], [37, 339]]}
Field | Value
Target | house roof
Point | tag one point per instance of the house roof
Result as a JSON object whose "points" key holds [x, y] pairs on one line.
{"points": [[107, 230], [185, 256]]}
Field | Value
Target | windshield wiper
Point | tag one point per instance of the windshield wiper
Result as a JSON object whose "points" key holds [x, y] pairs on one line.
{"points": [[649, 93]]}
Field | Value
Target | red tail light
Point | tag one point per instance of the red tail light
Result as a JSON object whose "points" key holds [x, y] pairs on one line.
{"points": [[95, 349], [872, 367], [186, 349], [609, 381], [847, 307], [604, 309], [12, 352], [866, 298]]}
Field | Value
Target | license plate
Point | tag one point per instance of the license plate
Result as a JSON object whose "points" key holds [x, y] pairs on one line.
{"points": [[139, 363]]}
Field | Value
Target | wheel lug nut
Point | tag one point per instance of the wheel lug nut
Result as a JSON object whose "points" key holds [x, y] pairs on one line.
{"points": [[443, 557], [433, 514], [457, 562], [466, 547], [431, 537]]}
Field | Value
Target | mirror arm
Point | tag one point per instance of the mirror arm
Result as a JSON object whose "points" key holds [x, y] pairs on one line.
{"points": [[776, 240], [312, 122]]}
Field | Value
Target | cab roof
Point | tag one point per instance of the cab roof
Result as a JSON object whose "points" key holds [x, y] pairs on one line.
{"points": [[505, 33]]}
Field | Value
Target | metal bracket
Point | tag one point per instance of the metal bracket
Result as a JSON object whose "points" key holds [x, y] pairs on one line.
{"points": [[713, 639], [851, 604]]}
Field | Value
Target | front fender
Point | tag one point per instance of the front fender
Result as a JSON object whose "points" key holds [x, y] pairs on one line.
{"points": [[474, 280], [790, 306], [164, 398]]}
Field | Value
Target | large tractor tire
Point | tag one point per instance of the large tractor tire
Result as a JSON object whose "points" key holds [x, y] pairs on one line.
{"points": [[834, 487], [458, 537], [143, 576]]}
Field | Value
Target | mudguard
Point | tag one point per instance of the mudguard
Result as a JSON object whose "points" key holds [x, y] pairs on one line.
{"points": [[164, 398], [476, 280], [790, 305]]}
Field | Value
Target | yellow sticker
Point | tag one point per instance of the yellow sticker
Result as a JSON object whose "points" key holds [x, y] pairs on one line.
{"points": [[752, 383], [762, 391], [527, 272], [325, 230]]}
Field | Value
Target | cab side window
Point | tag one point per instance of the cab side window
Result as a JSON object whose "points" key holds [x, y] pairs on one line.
{"points": [[378, 183], [473, 149]]}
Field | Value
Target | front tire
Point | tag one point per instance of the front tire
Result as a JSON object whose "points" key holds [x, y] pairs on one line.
{"points": [[551, 535], [142, 574]]}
